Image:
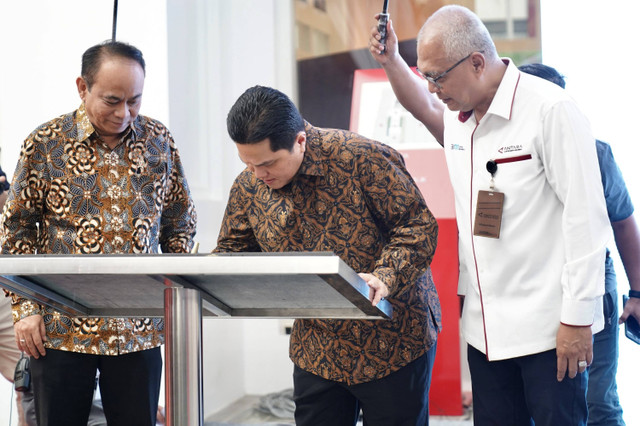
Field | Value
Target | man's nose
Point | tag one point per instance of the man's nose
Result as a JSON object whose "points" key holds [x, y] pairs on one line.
{"points": [[122, 111], [260, 172], [433, 87]]}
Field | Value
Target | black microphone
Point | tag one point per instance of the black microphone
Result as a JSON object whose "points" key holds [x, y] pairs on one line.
{"points": [[382, 25]]}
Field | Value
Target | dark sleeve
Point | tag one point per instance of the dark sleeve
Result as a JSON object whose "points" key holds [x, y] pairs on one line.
{"points": [[22, 216], [23, 212], [178, 223], [397, 203], [236, 233], [616, 195]]}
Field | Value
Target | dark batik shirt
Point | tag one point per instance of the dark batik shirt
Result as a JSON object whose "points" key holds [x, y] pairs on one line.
{"points": [[72, 194], [354, 197]]}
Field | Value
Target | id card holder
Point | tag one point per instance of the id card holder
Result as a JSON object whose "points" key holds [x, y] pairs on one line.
{"points": [[488, 214]]}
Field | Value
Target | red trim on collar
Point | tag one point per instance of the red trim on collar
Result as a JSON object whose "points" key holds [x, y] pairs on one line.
{"points": [[463, 116], [514, 96]]}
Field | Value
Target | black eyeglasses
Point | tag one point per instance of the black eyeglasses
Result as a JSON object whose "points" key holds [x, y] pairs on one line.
{"points": [[434, 80]]}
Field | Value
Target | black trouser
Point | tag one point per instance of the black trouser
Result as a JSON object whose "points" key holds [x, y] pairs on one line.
{"points": [[519, 391], [399, 399], [64, 382]]}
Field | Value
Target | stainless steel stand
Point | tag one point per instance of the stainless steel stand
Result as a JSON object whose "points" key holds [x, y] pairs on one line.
{"points": [[183, 355]]}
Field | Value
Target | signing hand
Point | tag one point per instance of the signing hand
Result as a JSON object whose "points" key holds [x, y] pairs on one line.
{"points": [[377, 289]]}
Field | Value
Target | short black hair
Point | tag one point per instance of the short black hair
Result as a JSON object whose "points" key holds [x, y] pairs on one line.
{"points": [[264, 113], [544, 71], [92, 58]]}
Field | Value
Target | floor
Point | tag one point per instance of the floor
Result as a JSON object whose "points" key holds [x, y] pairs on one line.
{"points": [[253, 410]]}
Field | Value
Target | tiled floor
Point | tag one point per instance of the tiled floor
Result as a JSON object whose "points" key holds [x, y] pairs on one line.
{"points": [[245, 412]]}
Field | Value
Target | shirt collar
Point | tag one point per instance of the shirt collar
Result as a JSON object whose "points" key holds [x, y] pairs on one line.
{"points": [[312, 163], [86, 129], [502, 102]]}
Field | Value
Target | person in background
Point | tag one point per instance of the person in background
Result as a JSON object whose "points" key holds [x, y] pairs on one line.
{"points": [[309, 189], [99, 180], [9, 352], [531, 217], [602, 394]]}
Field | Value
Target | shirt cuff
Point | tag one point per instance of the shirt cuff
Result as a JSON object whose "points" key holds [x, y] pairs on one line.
{"points": [[580, 313], [388, 277], [24, 308]]}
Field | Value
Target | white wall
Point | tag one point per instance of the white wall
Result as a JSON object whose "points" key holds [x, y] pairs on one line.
{"points": [[42, 45], [593, 44]]}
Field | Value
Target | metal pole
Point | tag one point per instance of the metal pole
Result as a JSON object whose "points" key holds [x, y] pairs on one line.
{"points": [[115, 20], [183, 357]]}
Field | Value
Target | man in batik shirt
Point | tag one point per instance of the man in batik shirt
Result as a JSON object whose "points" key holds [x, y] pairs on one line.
{"points": [[101, 179], [311, 189]]}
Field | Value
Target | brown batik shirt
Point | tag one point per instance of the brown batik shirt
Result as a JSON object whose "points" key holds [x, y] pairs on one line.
{"points": [[354, 197], [72, 194]]}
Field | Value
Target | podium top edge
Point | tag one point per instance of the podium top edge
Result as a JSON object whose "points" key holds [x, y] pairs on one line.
{"points": [[152, 255], [307, 263]]}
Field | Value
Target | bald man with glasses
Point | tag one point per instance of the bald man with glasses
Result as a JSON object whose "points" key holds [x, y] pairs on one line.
{"points": [[531, 217]]}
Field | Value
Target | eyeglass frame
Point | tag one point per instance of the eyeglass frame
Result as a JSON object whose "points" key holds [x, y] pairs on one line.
{"points": [[434, 80]]}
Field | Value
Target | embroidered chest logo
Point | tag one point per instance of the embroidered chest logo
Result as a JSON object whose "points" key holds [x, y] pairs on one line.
{"points": [[457, 147], [510, 148]]}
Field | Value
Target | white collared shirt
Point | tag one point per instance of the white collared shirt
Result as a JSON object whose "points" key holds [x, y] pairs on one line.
{"points": [[547, 266]]}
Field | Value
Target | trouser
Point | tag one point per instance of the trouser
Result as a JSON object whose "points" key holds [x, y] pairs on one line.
{"points": [[521, 391], [399, 399], [63, 385], [96, 416], [602, 394]]}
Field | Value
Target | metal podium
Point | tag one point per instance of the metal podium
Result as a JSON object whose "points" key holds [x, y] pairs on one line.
{"points": [[185, 287]]}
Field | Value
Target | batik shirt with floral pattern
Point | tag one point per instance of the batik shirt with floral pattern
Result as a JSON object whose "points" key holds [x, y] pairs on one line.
{"points": [[354, 197], [72, 194]]}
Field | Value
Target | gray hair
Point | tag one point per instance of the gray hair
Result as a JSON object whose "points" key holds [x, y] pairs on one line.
{"points": [[460, 31]]}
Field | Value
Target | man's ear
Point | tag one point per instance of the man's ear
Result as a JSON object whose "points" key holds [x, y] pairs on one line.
{"points": [[82, 87], [478, 61], [301, 138]]}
